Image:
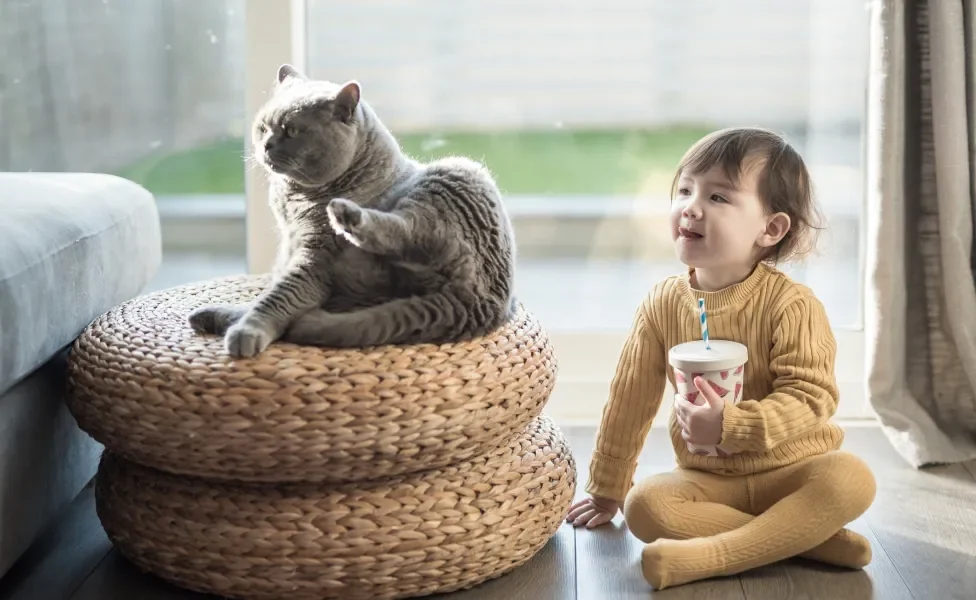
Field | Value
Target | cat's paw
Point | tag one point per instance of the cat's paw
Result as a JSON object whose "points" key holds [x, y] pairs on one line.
{"points": [[216, 318], [247, 339], [345, 217]]}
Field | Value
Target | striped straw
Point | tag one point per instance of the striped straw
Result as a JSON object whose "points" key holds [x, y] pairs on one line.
{"points": [[704, 322]]}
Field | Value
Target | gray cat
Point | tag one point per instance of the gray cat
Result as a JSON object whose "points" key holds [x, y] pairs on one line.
{"points": [[375, 248]]}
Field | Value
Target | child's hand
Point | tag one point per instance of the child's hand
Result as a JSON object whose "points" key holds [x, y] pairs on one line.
{"points": [[592, 512], [702, 425]]}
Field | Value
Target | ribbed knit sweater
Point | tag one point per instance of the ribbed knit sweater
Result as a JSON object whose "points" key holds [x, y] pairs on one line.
{"points": [[789, 391]]}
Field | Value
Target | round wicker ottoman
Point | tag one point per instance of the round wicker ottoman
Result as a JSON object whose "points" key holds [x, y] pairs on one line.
{"points": [[156, 393], [306, 472], [410, 535]]}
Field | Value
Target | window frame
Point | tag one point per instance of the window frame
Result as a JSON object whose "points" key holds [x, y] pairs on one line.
{"points": [[274, 34]]}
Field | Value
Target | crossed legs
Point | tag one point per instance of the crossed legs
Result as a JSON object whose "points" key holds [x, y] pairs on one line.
{"points": [[698, 525]]}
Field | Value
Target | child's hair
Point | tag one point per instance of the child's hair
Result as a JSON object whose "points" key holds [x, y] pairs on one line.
{"points": [[784, 183]]}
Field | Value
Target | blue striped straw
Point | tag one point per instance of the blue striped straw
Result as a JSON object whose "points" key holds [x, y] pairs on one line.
{"points": [[704, 322]]}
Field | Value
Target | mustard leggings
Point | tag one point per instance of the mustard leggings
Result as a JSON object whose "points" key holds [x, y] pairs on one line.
{"points": [[698, 525]]}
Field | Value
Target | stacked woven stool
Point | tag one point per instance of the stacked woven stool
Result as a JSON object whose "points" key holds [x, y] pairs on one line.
{"points": [[306, 472]]}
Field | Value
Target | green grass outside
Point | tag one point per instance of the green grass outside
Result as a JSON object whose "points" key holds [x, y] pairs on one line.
{"points": [[544, 162], [217, 168]]}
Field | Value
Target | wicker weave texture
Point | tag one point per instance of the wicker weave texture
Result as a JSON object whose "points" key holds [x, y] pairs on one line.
{"points": [[156, 393], [435, 531]]}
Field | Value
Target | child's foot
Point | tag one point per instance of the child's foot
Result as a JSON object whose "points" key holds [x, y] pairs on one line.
{"points": [[654, 566], [845, 549], [668, 563]]}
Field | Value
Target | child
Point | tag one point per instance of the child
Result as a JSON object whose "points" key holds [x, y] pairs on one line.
{"points": [[741, 202]]}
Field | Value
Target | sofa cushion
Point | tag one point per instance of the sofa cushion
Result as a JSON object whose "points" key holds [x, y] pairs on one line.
{"points": [[72, 246]]}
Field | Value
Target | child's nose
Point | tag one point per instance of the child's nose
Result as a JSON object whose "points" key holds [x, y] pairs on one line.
{"points": [[692, 210]]}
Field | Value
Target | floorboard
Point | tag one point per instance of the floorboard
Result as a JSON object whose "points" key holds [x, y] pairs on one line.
{"points": [[64, 555], [550, 575], [118, 579], [924, 520]]}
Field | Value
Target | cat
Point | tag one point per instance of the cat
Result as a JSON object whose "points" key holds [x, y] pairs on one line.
{"points": [[375, 247]]}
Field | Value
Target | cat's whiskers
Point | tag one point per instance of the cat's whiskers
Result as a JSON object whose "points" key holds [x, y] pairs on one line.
{"points": [[251, 163]]}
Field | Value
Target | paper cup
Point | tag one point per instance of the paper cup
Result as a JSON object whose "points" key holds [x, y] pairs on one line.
{"points": [[722, 366]]}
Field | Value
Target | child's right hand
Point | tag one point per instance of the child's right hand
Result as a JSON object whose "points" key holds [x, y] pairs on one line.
{"points": [[592, 512]]}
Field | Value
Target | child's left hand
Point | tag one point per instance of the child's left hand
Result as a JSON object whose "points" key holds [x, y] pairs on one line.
{"points": [[702, 424]]}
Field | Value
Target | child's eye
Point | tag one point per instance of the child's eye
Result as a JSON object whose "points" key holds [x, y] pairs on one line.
{"points": [[717, 198], [684, 191]]}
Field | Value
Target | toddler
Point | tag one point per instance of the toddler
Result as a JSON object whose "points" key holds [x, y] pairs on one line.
{"points": [[741, 203]]}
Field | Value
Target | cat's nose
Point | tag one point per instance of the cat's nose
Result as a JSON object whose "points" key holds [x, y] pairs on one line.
{"points": [[269, 144]]}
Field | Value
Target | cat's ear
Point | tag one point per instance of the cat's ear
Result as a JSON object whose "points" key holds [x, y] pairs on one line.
{"points": [[286, 71], [346, 101]]}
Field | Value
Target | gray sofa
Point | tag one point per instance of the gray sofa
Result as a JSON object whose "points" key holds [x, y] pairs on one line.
{"points": [[72, 246]]}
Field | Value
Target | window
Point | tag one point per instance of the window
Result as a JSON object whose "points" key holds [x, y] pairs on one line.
{"points": [[580, 109]]}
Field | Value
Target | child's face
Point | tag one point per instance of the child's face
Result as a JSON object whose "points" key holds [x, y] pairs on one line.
{"points": [[716, 225]]}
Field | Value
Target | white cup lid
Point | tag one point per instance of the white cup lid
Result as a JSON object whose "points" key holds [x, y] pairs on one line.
{"points": [[694, 357]]}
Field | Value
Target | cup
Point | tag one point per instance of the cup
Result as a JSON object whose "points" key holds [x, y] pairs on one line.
{"points": [[722, 366]]}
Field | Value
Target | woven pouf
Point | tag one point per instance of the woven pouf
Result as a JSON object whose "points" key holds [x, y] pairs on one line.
{"points": [[153, 391], [435, 531]]}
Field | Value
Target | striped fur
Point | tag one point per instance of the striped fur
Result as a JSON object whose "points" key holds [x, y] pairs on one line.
{"points": [[374, 247]]}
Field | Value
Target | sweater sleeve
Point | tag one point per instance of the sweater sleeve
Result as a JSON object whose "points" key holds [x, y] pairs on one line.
{"points": [[805, 392], [635, 396]]}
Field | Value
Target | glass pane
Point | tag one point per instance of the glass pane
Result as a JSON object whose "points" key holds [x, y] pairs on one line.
{"points": [[583, 109], [152, 91]]}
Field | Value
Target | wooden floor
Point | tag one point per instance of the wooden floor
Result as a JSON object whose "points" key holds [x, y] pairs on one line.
{"points": [[922, 527]]}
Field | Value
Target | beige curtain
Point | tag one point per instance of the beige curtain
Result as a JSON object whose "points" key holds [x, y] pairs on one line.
{"points": [[920, 294]]}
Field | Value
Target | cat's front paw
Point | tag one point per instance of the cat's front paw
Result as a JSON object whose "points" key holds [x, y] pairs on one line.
{"points": [[248, 339], [216, 318], [345, 217]]}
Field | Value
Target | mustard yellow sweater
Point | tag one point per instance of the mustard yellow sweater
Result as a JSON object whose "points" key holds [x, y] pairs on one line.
{"points": [[789, 391]]}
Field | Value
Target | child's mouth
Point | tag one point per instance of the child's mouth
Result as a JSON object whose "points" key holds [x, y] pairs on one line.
{"points": [[689, 234]]}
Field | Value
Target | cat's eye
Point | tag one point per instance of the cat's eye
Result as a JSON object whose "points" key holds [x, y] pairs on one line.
{"points": [[291, 131], [262, 129]]}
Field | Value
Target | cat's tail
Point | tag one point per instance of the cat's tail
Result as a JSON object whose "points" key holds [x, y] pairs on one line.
{"points": [[431, 318]]}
